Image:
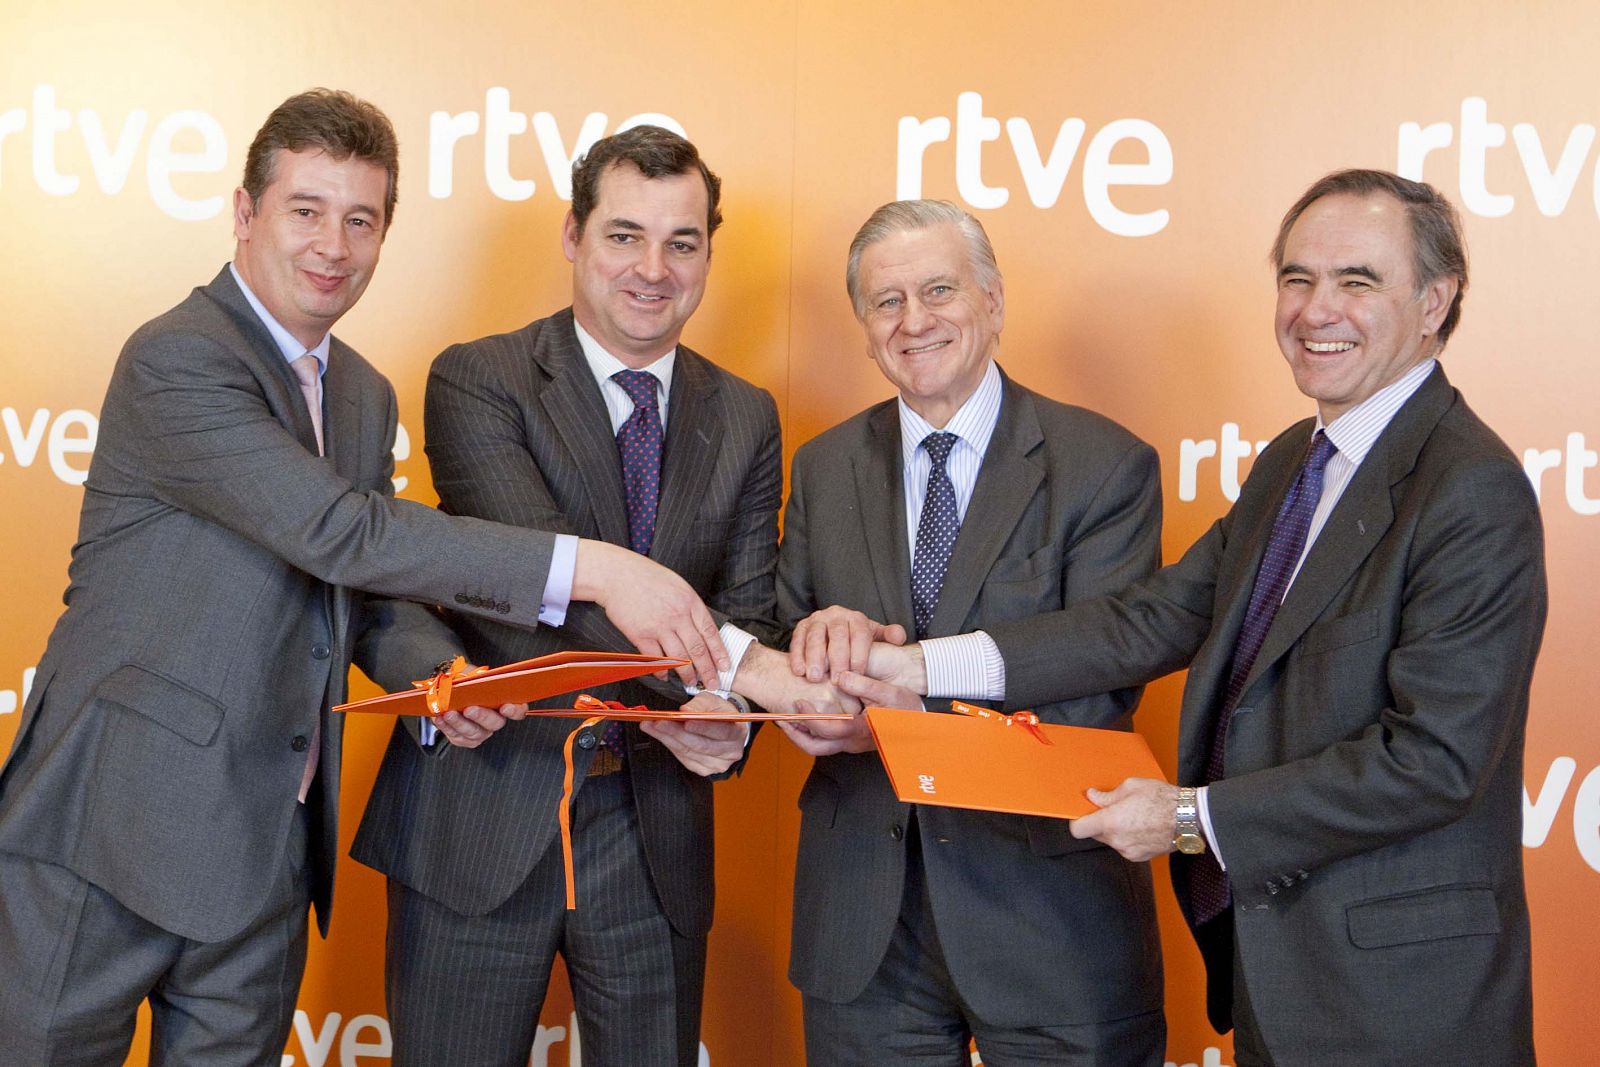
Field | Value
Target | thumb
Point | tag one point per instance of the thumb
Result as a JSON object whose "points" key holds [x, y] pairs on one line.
{"points": [[893, 634]]}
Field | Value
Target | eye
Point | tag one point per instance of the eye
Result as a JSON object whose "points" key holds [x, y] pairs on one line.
{"points": [[1295, 283], [889, 303], [621, 238], [1355, 285], [303, 212], [686, 248]]}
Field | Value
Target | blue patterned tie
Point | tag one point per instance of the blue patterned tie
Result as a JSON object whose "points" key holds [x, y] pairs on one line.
{"points": [[1208, 884], [639, 445], [936, 533]]}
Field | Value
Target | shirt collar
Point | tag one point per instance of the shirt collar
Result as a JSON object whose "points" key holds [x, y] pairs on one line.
{"points": [[973, 422], [603, 364], [291, 349], [1357, 430]]}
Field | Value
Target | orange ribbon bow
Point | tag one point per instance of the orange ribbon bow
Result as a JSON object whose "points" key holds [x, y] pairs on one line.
{"points": [[1025, 719], [438, 686]]}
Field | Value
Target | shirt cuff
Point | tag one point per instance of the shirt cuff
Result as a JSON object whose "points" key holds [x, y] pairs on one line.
{"points": [[558, 585], [1205, 825], [966, 667], [737, 642]]}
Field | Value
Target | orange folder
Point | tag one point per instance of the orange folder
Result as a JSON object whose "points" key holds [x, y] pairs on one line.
{"points": [[1004, 763], [515, 683], [548, 676]]}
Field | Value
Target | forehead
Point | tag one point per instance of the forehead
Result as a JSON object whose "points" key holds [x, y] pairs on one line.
{"points": [[1344, 230], [910, 256], [672, 200], [313, 172]]}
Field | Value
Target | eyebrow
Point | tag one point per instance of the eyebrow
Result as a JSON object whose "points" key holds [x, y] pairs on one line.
{"points": [[634, 227], [1360, 270]]}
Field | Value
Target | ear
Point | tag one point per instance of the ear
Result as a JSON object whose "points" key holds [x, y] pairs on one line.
{"points": [[243, 213], [996, 296], [1436, 301], [569, 237]]}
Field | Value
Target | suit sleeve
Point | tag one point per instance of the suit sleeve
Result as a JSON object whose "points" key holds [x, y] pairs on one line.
{"points": [[796, 596], [1148, 629], [1471, 618], [210, 445]]}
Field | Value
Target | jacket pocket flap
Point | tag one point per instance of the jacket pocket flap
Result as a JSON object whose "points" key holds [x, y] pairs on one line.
{"points": [[1336, 633], [191, 715], [1450, 911]]}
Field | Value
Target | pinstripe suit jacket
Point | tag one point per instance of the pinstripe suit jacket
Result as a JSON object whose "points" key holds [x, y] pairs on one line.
{"points": [[1038, 928], [517, 432], [1371, 815], [213, 610]]}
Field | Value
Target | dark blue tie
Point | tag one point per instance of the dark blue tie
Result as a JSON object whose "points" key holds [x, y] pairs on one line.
{"points": [[639, 446], [936, 532], [1208, 884]]}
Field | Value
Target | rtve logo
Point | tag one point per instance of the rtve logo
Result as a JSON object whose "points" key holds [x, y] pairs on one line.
{"points": [[1044, 175], [1552, 184], [1567, 467]]}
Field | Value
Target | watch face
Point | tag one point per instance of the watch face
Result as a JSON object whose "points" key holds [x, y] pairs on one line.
{"points": [[1190, 844]]}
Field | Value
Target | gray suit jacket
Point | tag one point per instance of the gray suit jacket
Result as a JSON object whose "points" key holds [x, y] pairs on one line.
{"points": [[517, 432], [1038, 928], [214, 607], [1372, 811]]}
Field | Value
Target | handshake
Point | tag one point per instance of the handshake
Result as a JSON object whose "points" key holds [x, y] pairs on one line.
{"points": [[839, 660]]}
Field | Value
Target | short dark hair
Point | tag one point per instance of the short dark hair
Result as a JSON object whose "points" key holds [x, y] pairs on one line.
{"points": [[1437, 248], [658, 153], [340, 124]]}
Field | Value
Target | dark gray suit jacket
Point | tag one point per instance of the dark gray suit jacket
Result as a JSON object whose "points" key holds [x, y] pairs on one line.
{"points": [[1038, 928], [213, 611], [517, 432], [1371, 817]]}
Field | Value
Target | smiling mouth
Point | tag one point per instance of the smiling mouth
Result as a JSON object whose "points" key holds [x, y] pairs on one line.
{"points": [[646, 298], [326, 282], [1328, 346], [920, 349]]}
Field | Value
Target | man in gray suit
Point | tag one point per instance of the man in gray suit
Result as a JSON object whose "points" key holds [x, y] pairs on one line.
{"points": [[169, 806], [965, 502], [594, 422], [1360, 630]]}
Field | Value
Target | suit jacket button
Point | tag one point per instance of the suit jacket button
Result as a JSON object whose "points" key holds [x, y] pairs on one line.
{"points": [[299, 744], [461, 598], [1272, 889], [504, 607], [586, 740], [319, 651], [897, 831]]}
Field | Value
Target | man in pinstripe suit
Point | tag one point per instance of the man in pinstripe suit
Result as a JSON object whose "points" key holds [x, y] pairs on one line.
{"points": [[538, 428]]}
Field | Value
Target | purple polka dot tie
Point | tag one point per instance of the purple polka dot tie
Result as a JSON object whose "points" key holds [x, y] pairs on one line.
{"points": [[639, 445], [936, 533], [1208, 884]]}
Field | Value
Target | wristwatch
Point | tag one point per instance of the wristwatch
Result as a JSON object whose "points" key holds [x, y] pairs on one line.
{"points": [[1187, 837]]}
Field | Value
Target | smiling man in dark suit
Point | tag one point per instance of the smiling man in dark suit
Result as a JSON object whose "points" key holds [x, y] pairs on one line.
{"points": [[1360, 631], [595, 422], [170, 802], [966, 501]]}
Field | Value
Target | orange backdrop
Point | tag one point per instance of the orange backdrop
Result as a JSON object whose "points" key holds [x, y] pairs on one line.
{"points": [[1130, 160]]}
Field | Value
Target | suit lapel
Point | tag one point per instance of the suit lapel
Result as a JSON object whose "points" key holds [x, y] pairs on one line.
{"points": [[693, 440], [880, 500], [575, 408], [281, 387], [341, 416], [1007, 482], [1357, 523]]}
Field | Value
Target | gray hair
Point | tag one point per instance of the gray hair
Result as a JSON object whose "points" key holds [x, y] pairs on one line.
{"points": [[901, 216]]}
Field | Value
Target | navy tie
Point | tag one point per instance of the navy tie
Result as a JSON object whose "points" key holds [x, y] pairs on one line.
{"points": [[1208, 883], [639, 445], [936, 532]]}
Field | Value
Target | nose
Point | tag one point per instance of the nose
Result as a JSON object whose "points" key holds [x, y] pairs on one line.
{"points": [[653, 263], [332, 243], [917, 316], [1322, 304]]}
